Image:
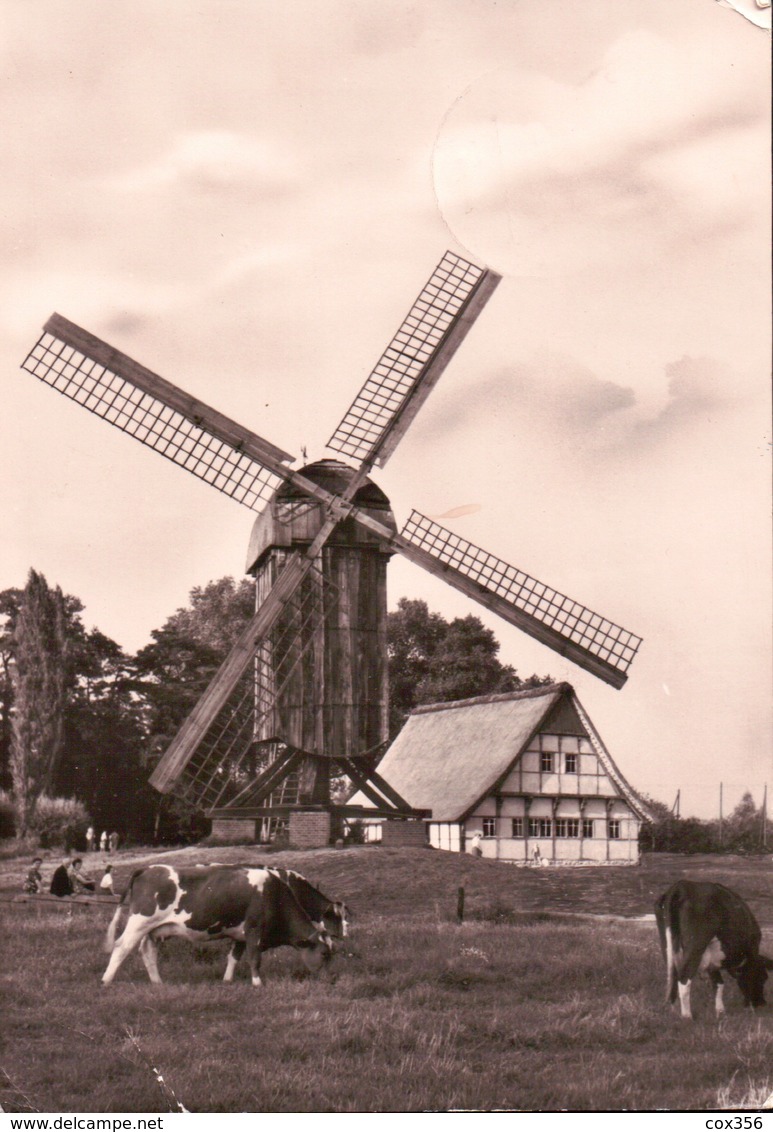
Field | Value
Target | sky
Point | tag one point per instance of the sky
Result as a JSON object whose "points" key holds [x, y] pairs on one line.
{"points": [[246, 197]]}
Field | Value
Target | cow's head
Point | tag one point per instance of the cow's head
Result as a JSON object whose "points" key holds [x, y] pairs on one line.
{"points": [[752, 976], [316, 951], [336, 919]]}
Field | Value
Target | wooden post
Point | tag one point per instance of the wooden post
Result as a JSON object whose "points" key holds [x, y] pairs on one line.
{"points": [[460, 904]]}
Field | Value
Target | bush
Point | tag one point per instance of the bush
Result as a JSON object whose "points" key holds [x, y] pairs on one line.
{"points": [[60, 822], [7, 816]]}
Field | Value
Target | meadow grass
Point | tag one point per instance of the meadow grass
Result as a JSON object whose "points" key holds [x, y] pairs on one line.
{"points": [[421, 1015], [511, 1010]]}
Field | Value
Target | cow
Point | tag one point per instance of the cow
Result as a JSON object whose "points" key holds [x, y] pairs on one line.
{"points": [[330, 917], [324, 912], [251, 906], [707, 927]]}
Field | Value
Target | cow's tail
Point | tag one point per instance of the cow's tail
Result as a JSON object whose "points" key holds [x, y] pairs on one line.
{"points": [[112, 931], [670, 913]]}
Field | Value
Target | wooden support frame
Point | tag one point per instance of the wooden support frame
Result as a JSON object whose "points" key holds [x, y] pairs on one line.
{"points": [[269, 778], [343, 811]]}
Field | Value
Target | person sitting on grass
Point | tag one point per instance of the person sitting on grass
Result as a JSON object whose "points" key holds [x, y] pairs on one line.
{"points": [[34, 881], [80, 882], [61, 885], [106, 884]]}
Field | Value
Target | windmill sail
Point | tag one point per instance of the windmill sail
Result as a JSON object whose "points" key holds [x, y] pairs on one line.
{"points": [[412, 363], [213, 756], [571, 629], [221, 749], [189, 433]]}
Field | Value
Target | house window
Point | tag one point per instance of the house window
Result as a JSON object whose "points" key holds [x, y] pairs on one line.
{"points": [[570, 764], [517, 827], [540, 827], [614, 830], [546, 761], [567, 827], [587, 827], [489, 827]]}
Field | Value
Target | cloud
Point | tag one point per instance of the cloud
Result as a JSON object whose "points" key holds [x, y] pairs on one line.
{"points": [[215, 160], [698, 389], [538, 176], [549, 392], [554, 398]]}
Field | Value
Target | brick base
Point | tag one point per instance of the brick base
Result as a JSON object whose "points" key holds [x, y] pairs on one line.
{"points": [[309, 830], [233, 830], [404, 834]]}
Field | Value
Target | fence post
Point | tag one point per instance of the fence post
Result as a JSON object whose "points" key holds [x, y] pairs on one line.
{"points": [[460, 904]]}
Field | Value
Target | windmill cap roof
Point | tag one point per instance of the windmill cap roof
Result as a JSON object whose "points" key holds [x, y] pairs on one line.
{"points": [[334, 476]]}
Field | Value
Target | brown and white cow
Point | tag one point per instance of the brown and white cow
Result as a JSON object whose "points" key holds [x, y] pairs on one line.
{"points": [[707, 927], [251, 906], [330, 917]]}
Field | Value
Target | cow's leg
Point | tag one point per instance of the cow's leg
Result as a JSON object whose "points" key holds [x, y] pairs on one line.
{"points": [[234, 955], [136, 928], [719, 987], [686, 967], [254, 954], [684, 998], [668, 947], [149, 953]]}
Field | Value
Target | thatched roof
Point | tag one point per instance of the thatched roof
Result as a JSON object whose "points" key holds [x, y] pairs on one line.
{"points": [[448, 757]]}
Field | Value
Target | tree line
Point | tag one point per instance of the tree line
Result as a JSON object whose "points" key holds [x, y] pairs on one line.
{"points": [[746, 830], [82, 719]]}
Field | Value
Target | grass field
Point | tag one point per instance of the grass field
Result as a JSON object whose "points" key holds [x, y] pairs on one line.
{"points": [[527, 1005]]}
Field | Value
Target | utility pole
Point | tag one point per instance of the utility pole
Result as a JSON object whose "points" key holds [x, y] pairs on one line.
{"points": [[720, 816], [765, 817]]}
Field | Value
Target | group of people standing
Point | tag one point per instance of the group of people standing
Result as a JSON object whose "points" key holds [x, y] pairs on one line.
{"points": [[108, 842]]}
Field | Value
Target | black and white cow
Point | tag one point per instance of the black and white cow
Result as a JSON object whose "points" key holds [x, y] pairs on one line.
{"points": [[330, 917], [707, 927], [252, 906]]}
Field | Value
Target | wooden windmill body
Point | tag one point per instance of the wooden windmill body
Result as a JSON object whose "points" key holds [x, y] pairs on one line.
{"points": [[334, 702], [303, 694]]}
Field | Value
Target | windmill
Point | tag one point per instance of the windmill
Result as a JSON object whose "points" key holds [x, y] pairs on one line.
{"points": [[303, 693]]}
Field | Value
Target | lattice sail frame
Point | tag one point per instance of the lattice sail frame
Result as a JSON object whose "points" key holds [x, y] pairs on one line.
{"points": [[436, 310], [228, 755], [248, 469], [151, 421], [602, 638]]}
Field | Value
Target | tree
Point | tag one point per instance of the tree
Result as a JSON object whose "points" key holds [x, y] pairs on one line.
{"points": [[9, 608], [39, 676], [174, 670], [104, 758], [743, 829], [100, 759], [432, 660], [413, 637], [186, 652]]}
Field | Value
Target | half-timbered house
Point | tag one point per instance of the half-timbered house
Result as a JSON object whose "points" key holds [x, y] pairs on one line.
{"points": [[525, 774]]}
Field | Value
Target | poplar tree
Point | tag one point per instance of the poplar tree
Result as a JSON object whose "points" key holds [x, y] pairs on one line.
{"points": [[40, 689]]}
